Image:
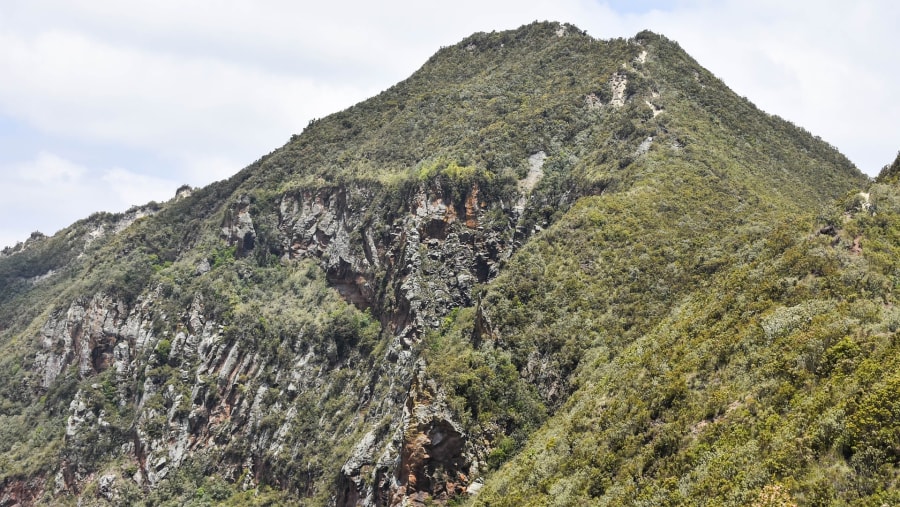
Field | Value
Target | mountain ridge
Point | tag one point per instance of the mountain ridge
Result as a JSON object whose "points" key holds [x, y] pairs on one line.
{"points": [[455, 262]]}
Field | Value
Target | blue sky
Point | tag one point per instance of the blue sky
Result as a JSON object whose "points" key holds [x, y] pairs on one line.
{"points": [[106, 104]]}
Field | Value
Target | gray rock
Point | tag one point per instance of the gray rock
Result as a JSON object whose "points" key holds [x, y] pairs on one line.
{"points": [[105, 486], [227, 398]]}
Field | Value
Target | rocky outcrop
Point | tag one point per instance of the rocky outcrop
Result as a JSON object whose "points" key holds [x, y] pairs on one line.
{"points": [[618, 85], [237, 228], [319, 224], [411, 269], [93, 335], [175, 385], [21, 492], [120, 222], [415, 267], [434, 463], [427, 458]]}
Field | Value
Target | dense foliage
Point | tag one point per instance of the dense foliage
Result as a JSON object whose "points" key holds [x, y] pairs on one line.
{"points": [[700, 309], [775, 371]]}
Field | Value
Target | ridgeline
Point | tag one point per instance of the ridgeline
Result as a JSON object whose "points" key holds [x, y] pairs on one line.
{"points": [[545, 269]]}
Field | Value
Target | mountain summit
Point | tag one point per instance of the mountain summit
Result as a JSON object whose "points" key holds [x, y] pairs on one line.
{"points": [[544, 269]]}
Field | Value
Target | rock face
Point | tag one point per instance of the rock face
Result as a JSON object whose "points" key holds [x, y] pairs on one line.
{"points": [[196, 392], [93, 335], [412, 270], [433, 255], [433, 461], [238, 227], [428, 456], [618, 85], [21, 492]]}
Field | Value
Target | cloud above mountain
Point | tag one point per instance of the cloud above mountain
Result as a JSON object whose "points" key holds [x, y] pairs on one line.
{"points": [[170, 92]]}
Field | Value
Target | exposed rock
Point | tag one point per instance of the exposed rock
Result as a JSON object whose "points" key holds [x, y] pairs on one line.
{"points": [[865, 201], [40, 278], [656, 110], [535, 171], [203, 267], [35, 238], [87, 335], [131, 216], [237, 229], [432, 257], [644, 147], [592, 101], [16, 492], [618, 85], [856, 248], [427, 459], [183, 192], [122, 222], [359, 464], [642, 57], [106, 486], [433, 463]]}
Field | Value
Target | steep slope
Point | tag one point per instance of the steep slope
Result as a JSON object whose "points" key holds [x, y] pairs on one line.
{"points": [[771, 383], [890, 174], [392, 305]]}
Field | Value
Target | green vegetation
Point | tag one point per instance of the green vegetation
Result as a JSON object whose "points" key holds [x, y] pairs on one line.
{"points": [[890, 173], [700, 309], [779, 370]]}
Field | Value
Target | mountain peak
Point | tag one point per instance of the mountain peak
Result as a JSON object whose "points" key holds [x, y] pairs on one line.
{"points": [[544, 268]]}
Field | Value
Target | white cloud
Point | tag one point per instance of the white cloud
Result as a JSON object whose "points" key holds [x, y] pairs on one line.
{"points": [[48, 169], [67, 84], [206, 87], [50, 192], [134, 188]]}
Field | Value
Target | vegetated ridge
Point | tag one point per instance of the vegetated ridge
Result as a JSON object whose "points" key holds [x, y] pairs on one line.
{"points": [[544, 269]]}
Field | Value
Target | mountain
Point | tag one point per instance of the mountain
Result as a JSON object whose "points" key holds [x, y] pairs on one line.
{"points": [[544, 269]]}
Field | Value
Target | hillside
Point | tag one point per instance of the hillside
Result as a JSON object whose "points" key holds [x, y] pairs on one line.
{"points": [[544, 269]]}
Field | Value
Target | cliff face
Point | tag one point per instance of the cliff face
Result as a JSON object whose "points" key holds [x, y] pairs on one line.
{"points": [[183, 388], [389, 308]]}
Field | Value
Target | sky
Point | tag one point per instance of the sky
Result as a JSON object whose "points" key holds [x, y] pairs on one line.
{"points": [[107, 104]]}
